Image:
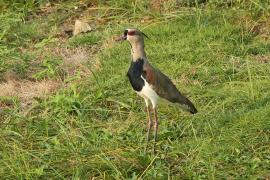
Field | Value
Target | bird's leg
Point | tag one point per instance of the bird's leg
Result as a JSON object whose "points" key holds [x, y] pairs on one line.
{"points": [[155, 128], [148, 127]]}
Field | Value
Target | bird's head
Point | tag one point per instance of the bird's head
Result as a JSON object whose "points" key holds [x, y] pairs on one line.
{"points": [[132, 35]]}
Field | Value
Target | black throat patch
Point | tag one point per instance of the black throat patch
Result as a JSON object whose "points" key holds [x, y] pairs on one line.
{"points": [[134, 74]]}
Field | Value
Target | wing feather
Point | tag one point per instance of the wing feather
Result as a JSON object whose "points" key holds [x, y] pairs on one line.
{"points": [[165, 88]]}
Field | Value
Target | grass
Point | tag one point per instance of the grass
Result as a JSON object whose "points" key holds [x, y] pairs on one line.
{"points": [[94, 126]]}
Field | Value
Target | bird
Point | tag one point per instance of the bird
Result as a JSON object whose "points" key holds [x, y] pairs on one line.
{"points": [[149, 82]]}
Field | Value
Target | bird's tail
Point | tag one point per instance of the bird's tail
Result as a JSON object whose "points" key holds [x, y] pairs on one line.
{"points": [[187, 104]]}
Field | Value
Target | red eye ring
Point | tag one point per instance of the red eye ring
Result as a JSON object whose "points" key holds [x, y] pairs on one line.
{"points": [[131, 33]]}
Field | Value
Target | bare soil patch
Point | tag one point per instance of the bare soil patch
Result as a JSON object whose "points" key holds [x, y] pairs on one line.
{"points": [[26, 90]]}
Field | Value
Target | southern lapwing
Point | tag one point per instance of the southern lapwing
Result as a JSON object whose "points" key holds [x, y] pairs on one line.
{"points": [[150, 83]]}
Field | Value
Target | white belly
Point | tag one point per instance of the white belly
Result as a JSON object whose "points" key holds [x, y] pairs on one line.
{"points": [[148, 93]]}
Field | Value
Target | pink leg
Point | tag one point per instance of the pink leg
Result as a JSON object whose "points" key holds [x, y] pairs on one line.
{"points": [[148, 127], [155, 128]]}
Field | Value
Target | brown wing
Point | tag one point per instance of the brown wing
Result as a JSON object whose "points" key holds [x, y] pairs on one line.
{"points": [[165, 88]]}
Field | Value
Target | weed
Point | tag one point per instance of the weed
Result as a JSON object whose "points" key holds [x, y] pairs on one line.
{"points": [[88, 39], [50, 68]]}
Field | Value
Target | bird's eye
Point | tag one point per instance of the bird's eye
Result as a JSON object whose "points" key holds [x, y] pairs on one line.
{"points": [[131, 33]]}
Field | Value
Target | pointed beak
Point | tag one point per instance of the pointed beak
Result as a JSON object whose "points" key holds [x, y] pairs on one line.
{"points": [[121, 38]]}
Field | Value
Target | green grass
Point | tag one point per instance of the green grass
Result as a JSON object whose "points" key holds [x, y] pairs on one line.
{"points": [[85, 40], [95, 126]]}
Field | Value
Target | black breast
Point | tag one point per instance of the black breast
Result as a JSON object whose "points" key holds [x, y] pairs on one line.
{"points": [[134, 74]]}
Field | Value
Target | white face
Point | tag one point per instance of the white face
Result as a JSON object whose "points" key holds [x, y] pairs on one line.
{"points": [[133, 35]]}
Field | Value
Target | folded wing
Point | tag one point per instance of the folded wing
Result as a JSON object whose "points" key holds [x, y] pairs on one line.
{"points": [[165, 88]]}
